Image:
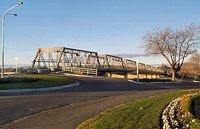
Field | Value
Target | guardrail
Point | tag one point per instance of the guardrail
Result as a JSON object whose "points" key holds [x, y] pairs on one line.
{"points": [[88, 71]]}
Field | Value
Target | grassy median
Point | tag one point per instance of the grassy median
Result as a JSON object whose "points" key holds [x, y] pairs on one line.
{"points": [[141, 114], [33, 81]]}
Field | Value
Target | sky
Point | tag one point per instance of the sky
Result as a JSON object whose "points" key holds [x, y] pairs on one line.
{"points": [[104, 26]]}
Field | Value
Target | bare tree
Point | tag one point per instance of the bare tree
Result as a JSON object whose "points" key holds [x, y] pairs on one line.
{"points": [[195, 60], [191, 68], [187, 69], [173, 45]]}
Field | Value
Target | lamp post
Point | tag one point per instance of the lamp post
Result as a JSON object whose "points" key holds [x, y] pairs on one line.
{"points": [[2, 32], [16, 64], [137, 70]]}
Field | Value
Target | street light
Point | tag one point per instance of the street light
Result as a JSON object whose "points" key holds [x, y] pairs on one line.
{"points": [[137, 70], [2, 38], [16, 64]]}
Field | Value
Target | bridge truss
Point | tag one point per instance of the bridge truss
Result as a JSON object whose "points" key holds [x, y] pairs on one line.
{"points": [[88, 62]]}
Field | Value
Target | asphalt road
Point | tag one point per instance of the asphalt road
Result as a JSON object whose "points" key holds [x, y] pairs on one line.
{"points": [[65, 109]]}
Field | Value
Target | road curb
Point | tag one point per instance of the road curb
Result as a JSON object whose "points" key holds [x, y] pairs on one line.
{"points": [[40, 89], [81, 75], [153, 82]]}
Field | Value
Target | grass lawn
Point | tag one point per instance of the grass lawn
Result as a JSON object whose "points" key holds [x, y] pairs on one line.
{"points": [[39, 81], [141, 114]]}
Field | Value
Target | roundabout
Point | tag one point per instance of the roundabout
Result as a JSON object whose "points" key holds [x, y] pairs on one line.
{"points": [[69, 107]]}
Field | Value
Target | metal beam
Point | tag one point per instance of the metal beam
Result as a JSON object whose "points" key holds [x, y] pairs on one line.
{"points": [[89, 59]]}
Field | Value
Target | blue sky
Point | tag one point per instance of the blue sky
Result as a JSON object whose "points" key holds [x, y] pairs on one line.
{"points": [[105, 26]]}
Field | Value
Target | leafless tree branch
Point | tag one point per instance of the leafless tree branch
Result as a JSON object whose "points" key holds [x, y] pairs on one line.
{"points": [[173, 45]]}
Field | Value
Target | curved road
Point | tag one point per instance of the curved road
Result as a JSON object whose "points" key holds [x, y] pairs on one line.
{"points": [[65, 109]]}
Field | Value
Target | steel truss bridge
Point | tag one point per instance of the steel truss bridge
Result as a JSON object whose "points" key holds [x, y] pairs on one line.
{"points": [[89, 62]]}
